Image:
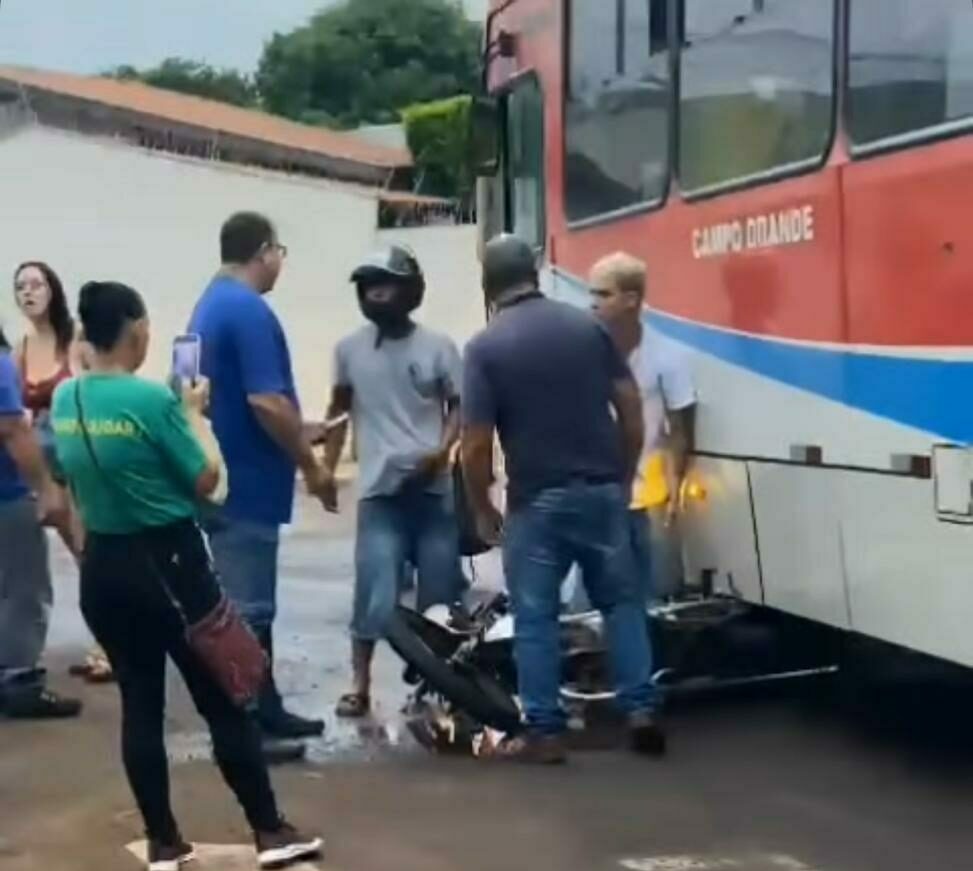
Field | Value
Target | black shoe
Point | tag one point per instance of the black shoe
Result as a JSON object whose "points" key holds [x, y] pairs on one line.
{"points": [[39, 705], [285, 846], [278, 752], [646, 735], [169, 857], [283, 724], [273, 719]]}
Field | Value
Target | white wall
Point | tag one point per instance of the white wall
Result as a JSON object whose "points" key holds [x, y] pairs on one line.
{"points": [[96, 209], [454, 298]]}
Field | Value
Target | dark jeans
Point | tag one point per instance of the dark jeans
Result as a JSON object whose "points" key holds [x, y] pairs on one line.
{"points": [[587, 524], [138, 626]]}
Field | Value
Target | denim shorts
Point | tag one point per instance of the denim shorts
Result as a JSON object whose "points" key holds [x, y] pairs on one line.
{"points": [[411, 527], [245, 559]]}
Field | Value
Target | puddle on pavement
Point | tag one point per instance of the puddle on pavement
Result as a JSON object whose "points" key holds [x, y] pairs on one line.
{"points": [[362, 740], [343, 740]]}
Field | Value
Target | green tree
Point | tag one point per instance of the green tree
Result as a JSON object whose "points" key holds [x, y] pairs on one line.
{"points": [[364, 61], [193, 77], [439, 138]]}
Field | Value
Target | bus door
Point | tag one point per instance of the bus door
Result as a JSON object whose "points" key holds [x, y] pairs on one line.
{"points": [[511, 195], [523, 159]]}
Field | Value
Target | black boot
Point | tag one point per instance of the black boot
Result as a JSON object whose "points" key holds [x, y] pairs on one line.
{"points": [[25, 698], [274, 720]]}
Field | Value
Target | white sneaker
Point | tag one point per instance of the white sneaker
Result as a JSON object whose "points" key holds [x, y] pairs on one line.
{"points": [[169, 857], [285, 846]]}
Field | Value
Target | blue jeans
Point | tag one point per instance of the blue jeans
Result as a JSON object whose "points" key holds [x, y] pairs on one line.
{"points": [[586, 524], [640, 537], [245, 559], [26, 596], [411, 526]]}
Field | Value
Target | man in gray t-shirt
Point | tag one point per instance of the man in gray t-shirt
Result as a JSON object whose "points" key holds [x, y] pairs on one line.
{"points": [[400, 382]]}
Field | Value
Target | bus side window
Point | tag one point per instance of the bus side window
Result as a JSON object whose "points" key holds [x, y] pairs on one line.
{"points": [[617, 105], [910, 67], [757, 89]]}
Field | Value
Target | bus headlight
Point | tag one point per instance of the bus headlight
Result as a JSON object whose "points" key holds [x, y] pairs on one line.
{"points": [[692, 491]]}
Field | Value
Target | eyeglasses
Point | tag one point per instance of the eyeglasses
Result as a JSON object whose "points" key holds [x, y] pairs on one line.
{"points": [[276, 246]]}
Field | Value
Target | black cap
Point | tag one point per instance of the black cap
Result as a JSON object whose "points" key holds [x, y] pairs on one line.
{"points": [[508, 261]]}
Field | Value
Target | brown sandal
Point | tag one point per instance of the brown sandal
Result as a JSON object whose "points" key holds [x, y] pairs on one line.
{"points": [[353, 706]]}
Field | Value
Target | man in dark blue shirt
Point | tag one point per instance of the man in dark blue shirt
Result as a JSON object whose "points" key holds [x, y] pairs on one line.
{"points": [[550, 381], [257, 420]]}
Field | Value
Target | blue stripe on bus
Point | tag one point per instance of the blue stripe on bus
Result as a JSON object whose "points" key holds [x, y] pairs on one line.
{"points": [[935, 396]]}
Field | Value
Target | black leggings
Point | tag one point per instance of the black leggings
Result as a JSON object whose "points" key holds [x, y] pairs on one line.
{"points": [[136, 623]]}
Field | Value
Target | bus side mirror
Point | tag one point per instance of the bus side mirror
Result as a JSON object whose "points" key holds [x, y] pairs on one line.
{"points": [[485, 136]]}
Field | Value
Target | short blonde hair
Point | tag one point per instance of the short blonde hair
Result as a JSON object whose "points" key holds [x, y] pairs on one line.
{"points": [[625, 272]]}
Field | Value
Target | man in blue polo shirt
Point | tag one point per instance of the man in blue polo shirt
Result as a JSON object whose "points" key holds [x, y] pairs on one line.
{"points": [[257, 420], [25, 574]]}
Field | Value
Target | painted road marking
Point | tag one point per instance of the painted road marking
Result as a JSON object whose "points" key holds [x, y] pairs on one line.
{"points": [[222, 857], [753, 862]]}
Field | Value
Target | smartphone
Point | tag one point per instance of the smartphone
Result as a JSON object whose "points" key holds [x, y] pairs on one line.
{"points": [[334, 422], [186, 358]]}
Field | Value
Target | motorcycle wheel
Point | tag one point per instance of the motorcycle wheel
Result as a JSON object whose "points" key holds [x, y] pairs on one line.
{"points": [[439, 640], [472, 691]]}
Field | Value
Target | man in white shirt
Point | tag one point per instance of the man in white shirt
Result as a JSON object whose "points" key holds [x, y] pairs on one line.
{"points": [[665, 380]]}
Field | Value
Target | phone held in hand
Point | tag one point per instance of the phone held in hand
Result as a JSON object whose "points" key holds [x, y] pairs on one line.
{"points": [[186, 359], [334, 422]]}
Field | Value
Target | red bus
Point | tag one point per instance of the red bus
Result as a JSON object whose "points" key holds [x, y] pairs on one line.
{"points": [[795, 175]]}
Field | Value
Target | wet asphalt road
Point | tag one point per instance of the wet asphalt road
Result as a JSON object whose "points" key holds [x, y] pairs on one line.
{"points": [[815, 779]]}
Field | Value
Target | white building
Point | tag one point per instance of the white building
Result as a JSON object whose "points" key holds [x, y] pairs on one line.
{"points": [[92, 181]]}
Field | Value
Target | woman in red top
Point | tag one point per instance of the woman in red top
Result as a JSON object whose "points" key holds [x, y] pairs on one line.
{"points": [[47, 355], [44, 354]]}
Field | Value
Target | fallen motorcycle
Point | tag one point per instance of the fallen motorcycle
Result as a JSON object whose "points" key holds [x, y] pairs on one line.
{"points": [[462, 667]]}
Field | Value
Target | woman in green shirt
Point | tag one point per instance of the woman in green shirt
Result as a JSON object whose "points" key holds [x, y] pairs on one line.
{"points": [[138, 460]]}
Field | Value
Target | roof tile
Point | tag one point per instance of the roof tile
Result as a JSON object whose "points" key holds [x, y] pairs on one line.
{"points": [[209, 115]]}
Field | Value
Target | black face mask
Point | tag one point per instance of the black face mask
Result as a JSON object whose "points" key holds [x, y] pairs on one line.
{"points": [[392, 318]]}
